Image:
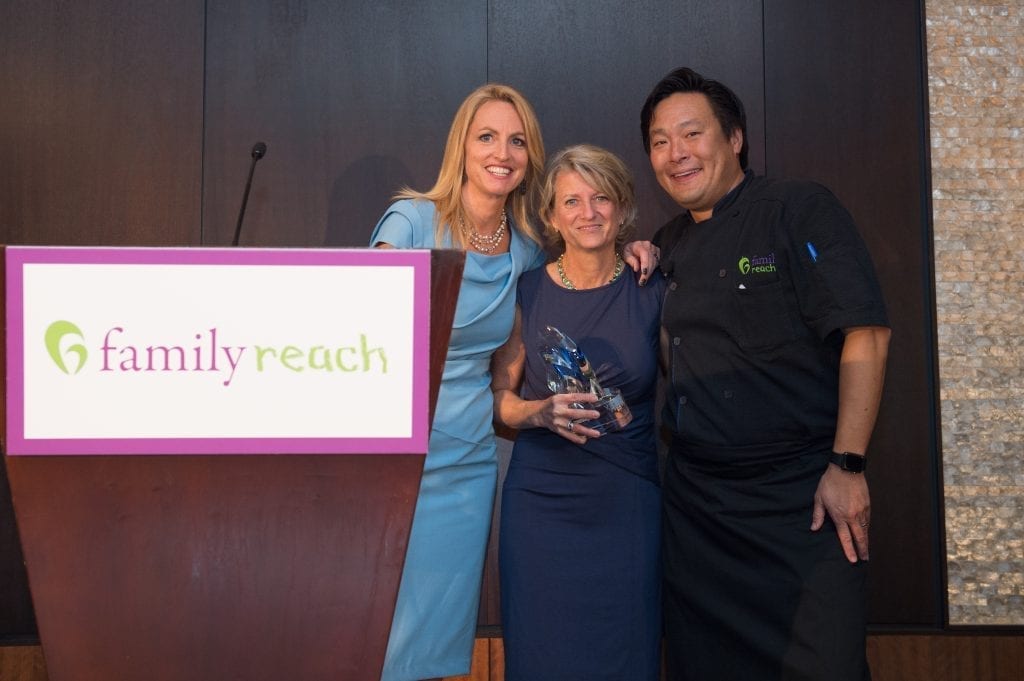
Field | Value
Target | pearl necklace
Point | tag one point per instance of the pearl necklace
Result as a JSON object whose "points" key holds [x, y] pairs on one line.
{"points": [[485, 243], [567, 283]]}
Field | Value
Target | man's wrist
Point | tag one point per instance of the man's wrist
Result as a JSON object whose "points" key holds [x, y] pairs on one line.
{"points": [[850, 462]]}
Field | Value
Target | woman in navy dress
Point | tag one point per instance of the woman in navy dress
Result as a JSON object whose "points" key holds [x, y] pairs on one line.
{"points": [[580, 512]]}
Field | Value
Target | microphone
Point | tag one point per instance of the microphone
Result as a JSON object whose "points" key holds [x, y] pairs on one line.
{"points": [[258, 151]]}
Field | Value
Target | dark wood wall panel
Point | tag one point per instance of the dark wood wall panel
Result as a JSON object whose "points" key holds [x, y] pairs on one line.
{"points": [[353, 100], [846, 107], [587, 68], [100, 138], [100, 129]]}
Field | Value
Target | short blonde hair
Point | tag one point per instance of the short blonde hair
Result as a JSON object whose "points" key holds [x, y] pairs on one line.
{"points": [[447, 190], [602, 170]]}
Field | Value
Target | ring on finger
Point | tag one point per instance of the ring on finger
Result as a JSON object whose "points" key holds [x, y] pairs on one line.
{"points": [[865, 524], [569, 426]]}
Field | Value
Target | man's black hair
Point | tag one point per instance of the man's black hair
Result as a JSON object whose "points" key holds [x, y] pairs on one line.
{"points": [[727, 107]]}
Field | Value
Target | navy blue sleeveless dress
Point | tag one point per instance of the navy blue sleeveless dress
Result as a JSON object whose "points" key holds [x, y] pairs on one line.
{"points": [[580, 525]]}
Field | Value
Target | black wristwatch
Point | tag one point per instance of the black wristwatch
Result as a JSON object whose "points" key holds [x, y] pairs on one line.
{"points": [[849, 462]]}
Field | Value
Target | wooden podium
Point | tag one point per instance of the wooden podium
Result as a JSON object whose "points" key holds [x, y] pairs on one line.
{"points": [[217, 567]]}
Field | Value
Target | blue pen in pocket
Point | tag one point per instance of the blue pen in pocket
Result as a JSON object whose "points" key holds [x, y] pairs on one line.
{"points": [[812, 251]]}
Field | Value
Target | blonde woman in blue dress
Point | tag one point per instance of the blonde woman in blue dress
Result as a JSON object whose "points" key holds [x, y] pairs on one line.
{"points": [[481, 203]]}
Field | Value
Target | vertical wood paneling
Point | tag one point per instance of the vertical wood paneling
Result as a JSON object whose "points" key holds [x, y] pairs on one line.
{"points": [[587, 67], [100, 130], [354, 100], [845, 107]]}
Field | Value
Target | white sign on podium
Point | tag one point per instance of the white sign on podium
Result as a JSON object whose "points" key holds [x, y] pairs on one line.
{"points": [[181, 350]]}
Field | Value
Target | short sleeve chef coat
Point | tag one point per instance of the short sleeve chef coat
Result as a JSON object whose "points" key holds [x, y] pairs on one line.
{"points": [[757, 297]]}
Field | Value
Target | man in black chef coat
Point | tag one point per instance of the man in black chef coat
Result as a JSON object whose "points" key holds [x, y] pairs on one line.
{"points": [[777, 339]]}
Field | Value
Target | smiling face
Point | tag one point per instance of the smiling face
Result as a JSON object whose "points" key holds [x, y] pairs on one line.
{"points": [[586, 218], [496, 154], [691, 156]]}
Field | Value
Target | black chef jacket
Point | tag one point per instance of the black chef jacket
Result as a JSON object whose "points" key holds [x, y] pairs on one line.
{"points": [[757, 298]]}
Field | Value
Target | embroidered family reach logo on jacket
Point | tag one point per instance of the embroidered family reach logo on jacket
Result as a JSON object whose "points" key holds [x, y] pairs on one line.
{"points": [[758, 264], [66, 346]]}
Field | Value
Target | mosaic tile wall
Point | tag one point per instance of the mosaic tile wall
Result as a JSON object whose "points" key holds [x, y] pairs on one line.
{"points": [[976, 93]]}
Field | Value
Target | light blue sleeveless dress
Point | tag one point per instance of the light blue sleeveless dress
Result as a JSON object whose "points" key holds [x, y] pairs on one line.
{"points": [[435, 618]]}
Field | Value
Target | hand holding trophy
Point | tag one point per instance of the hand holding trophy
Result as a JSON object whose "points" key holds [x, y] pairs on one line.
{"points": [[569, 371]]}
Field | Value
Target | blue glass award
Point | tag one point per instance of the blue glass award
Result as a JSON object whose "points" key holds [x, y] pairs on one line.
{"points": [[568, 370]]}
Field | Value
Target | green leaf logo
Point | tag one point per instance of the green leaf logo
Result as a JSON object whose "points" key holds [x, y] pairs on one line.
{"points": [[54, 335], [744, 265]]}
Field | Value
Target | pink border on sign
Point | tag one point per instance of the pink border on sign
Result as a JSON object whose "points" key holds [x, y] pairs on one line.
{"points": [[17, 257]]}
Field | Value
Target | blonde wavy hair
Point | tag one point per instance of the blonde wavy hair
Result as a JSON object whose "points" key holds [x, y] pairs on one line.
{"points": [[446, 194], [602, 170]]}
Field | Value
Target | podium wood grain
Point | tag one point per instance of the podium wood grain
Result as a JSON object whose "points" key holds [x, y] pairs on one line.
{"points": [[219, 567], [199, 567]]}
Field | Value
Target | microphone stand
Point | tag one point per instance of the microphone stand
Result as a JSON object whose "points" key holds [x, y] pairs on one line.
{"points": [[258, 150]]}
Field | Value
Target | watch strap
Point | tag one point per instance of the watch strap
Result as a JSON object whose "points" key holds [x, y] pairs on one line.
{"points": [[849, 461]]}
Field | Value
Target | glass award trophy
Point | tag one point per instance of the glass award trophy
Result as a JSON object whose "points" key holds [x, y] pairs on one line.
{"points": [[568, 371]]}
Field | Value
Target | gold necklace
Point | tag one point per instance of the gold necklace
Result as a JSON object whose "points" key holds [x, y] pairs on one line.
{"points": [[485, 243], [567, 283]]}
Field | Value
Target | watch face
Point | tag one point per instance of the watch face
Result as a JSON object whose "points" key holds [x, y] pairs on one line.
{"points": [[853, 463]]}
